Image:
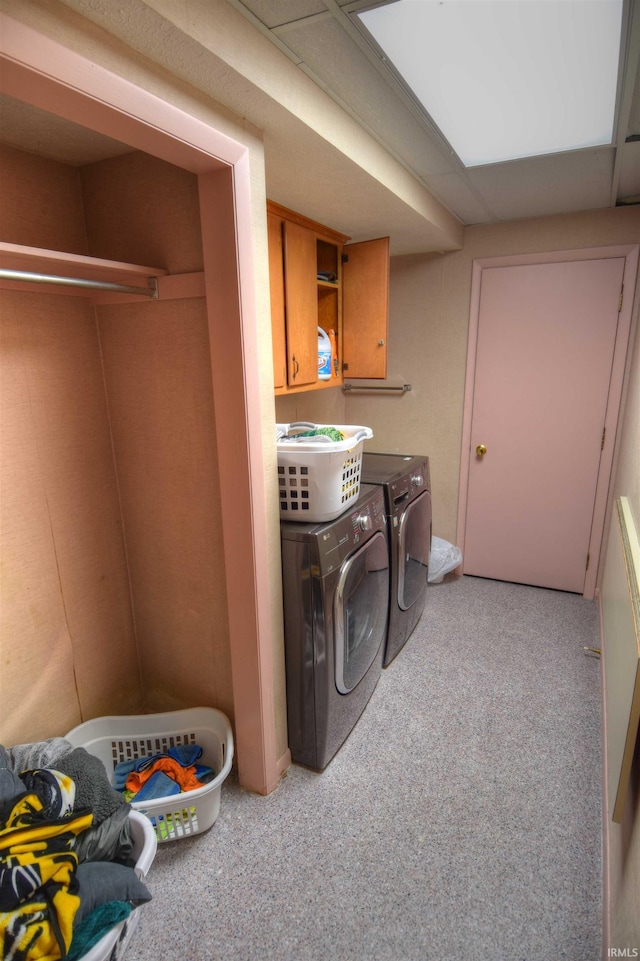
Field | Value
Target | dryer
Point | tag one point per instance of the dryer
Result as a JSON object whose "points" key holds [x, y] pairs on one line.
{"points": [[336, 602], [406, 482]]}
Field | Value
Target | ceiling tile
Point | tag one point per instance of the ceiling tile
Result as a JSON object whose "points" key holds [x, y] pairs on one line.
{"points": [[337, 61], [553, 184], [459, 197], [273, 13], [185, 42]]}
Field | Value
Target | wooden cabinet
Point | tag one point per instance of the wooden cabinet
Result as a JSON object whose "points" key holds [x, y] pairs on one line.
{"points": [[276, 284], [318, 279]]}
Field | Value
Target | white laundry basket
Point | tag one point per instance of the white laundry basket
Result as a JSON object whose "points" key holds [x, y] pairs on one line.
{"points": [[124, 738], [113, 944], [318, 478]]}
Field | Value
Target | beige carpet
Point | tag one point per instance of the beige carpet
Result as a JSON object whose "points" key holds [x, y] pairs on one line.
{"points": [[461, 821]]}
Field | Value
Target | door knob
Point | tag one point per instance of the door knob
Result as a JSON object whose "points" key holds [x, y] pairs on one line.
{"points": [[481, 450]]}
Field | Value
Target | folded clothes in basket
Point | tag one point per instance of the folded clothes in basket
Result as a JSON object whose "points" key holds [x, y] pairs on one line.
{"points": [[140, 778], [184, 754], [158, 785], [331, 432]]}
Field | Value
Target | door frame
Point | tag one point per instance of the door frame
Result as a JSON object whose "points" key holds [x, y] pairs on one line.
{"points": [[618, 368], [43, 72]]}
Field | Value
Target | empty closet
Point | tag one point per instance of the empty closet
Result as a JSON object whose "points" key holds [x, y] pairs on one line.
{"points": [[113, 560]]}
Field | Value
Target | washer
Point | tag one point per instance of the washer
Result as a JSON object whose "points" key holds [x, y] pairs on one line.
{"points": [[336, 579], [406, 482]]}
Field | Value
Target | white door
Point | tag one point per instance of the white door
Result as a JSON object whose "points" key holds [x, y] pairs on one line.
{"points": [[545, 348]]}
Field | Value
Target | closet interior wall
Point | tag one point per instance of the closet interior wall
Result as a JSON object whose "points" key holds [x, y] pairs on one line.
{"points": [[113, 579]]}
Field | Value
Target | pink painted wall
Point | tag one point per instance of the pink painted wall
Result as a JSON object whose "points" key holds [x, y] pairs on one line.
{"points": [[109, 423]]}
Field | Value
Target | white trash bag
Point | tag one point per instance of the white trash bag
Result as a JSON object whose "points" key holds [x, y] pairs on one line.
{"points": [[444, 558]]}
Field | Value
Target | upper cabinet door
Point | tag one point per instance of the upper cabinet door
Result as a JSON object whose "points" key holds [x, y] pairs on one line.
{"points": [[301, 298], [276, 284], [365, 292]]}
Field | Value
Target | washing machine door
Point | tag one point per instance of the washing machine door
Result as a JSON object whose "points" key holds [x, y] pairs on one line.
{"points": [[360, 611], [414, 542]]}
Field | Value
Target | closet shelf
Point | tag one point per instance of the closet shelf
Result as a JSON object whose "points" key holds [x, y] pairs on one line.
{"points": [[133, 278]]}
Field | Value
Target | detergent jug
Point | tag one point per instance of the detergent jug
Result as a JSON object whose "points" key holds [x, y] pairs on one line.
{"points": [[324, 355]]}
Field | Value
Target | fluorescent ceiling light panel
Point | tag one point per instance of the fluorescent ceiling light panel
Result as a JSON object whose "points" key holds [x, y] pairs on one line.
{"points": [[504, 79]]}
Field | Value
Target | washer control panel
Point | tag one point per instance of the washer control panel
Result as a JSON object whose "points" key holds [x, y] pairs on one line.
{"points": [[367, 516], [337, 539], [362, 521]]}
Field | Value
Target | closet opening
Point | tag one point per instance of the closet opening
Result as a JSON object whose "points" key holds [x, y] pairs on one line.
{"points": [[130, 580]]}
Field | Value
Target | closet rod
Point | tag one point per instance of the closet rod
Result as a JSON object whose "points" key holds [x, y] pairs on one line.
{"points": [[400, 389], [150, 291]]}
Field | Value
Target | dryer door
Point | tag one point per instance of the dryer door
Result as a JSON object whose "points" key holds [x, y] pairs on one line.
{"points": [[414, 543], [360, 612]]}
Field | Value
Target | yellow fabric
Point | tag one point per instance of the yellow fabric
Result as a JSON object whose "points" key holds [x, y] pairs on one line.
{"points": [[38, 853]]}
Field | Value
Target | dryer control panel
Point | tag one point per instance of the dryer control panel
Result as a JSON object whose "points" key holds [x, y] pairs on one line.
{"points": [[403, 476], [405, 489]]}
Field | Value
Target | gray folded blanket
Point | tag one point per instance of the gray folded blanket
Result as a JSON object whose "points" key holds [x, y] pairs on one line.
{"points": [[30, 757], [10, 784], [93, 789], [109, 837]]}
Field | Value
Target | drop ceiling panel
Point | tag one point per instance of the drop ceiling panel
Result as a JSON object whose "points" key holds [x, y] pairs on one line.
{"points": [[532, 187], [209, 44], [334, 59], [273, 13], [457, 195], [537, 186]]}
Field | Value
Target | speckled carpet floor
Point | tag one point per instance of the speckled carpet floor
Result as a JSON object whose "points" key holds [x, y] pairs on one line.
{"points": [[461, 821]]}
